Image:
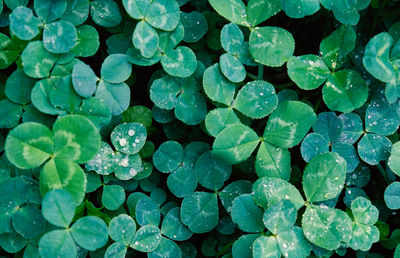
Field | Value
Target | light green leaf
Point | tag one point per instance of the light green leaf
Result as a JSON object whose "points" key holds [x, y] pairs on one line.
{"points": [[105, 13], [145, 38], [242, 248], [10, 114], [182, 181], [58, 207], [116, 62], [76, 138], [376, 57], [147, 238], [217, 87], [173, 228], [62, 95], [308, 71], [235, 144], [394, 159], [247, 215], [329, 170], [36, 61], [268, 191], [191, 107], [9, 50], [326, 227], [352, 128], [373, 148], [259, 10], [87, 43], [168, 156], [137, 9], [104, 162], [59, 37], [199, 211], [381, 117], [265, 247], [49, 10], [77, 12], [18, 87], [57, 243], [113, 196], [179, 62], [129, 138], [271, 46], [167, 248], [232, 10], [232, 68], [272, 161], [23, 23], [29, 145], [90, 232], [300, 8], [392, 196], [116, 250], [195, 26], [219, 119], [345, 91], [280, 217], [313, 145], [256, 99], [147, 212], [116, 95], [289, 123], [163, 14], [292, 243], [28, 221], [63, 174]]}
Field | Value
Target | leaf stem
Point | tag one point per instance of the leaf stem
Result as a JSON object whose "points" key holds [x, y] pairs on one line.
{"points": [[260, 72], [383, 172], [223, 250], [251, 76]]}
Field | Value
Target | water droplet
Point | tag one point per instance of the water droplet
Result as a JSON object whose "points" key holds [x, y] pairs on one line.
{"points": [[131, 132], [122, 142]]}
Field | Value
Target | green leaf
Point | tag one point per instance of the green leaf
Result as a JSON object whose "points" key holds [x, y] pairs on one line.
{"points": [[23, 23], [63, 96], [381, 117], [129, 138], [170, 39], [232, 10], [116, 95], [105, 13], [50, 10], [394, 159], [265, 247], [233, 190], [163, 92], [268, 191], [147, 212], [145, 38], [199, 211], [256, 99], [352, 128], [138, 114], [246, 214], [63, 174], [345, 91], [29, 145], [243, 246], [300, 9], [137, 9], [58, 207], [289, 123], [57, 243], [116, 250], [77, 12], [232, 68], [18, 87], [163, 14], [217, 87], [313, 145], [392, 196], [179, 62], [147, 238], [96, 110], [337, 46], [373, 148], [173, 228], [326, 227], [9, 50], [232, 38], [167, 248], [280, 217], [271, 46], [116, 62], [348, 152], [36, 60], [182, 181], [219, 119], [12, 4], [376, 57], [260, 10], [90, 232], [235, 144], [113, 196], [168, 156], [365, 216], [10, 114], [195, 23], [331, 126], [59, 37], [329, 170], [308, 71], [87, 43], [40, 97], [293, 243], [76, 138], [28, 221], [272, 161], [211, 171], [129, 166], [104, 162]]}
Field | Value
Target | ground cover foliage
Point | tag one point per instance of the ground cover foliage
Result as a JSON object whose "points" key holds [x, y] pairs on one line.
{"points": [[192, 128]]}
